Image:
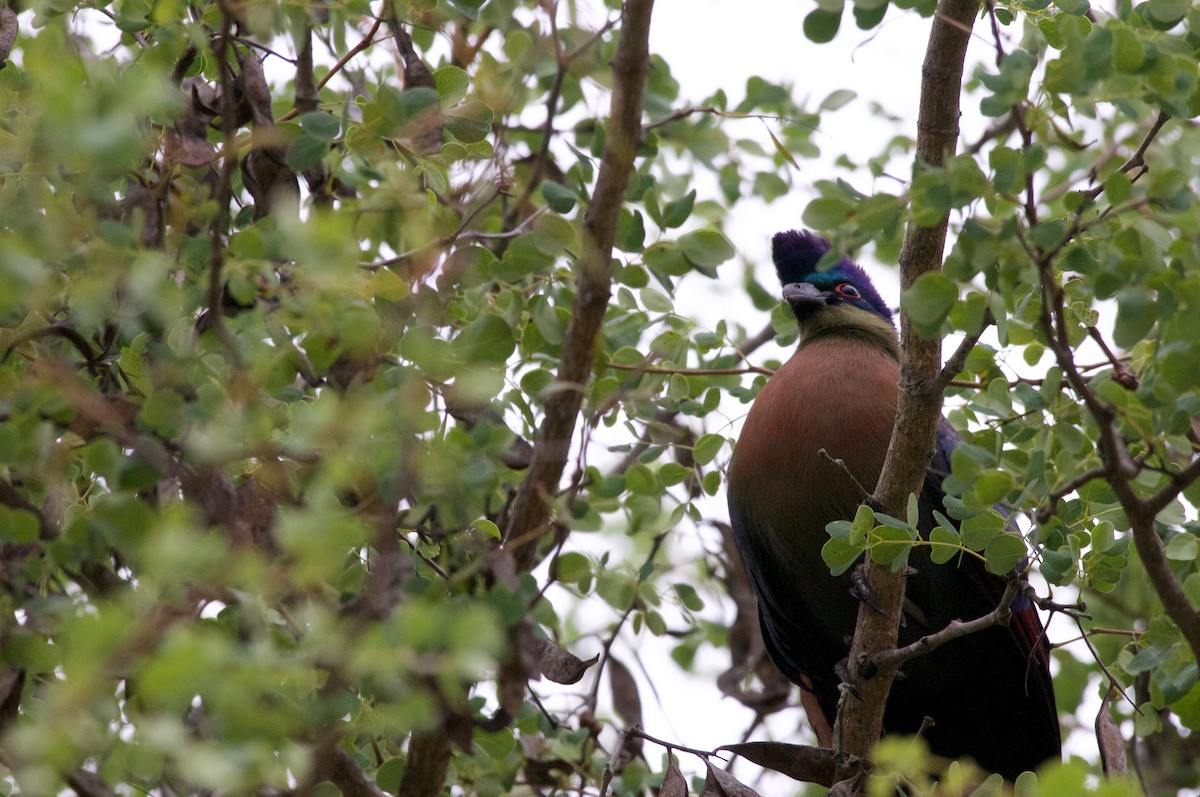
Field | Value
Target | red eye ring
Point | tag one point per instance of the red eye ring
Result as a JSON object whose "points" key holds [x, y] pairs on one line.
{"points": [[848, 291]]}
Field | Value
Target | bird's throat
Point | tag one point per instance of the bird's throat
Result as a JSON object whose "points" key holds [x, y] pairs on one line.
{"points": [[850, 322]]}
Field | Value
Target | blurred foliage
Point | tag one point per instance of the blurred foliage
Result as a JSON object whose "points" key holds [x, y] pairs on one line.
{"points": [[284, 291]]}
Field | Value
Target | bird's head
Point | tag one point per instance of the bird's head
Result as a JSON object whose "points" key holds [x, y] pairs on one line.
{"points": [[839, 301]]}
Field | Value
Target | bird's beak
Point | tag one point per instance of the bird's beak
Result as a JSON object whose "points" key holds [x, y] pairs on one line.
{"points": [[803, 294]]}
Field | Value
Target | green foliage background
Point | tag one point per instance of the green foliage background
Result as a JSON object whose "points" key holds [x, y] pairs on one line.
{"points": [[279, 340]]}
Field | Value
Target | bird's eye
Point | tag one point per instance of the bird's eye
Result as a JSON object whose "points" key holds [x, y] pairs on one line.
{"points": [[849, 291]]}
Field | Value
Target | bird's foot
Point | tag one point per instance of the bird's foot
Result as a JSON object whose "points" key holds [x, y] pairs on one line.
{"points": [[842, 671], [861, 591]]}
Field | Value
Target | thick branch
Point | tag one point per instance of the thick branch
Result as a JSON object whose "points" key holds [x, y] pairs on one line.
{"points": [[860, 721], [593, 282], [1154, 558]]}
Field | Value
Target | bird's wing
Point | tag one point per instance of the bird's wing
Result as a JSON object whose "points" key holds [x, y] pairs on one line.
{"points": [[1025, 626]]}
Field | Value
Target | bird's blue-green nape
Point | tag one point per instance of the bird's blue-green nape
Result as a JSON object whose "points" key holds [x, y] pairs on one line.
{"points": [[796, 254]]}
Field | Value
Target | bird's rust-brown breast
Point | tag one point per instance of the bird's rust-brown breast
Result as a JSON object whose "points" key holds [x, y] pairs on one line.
{"points": [[836, 394]]}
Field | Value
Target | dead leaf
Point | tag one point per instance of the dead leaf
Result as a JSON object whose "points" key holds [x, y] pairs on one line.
{"points": [[8, 33], [1109, 739], [255, 91], [674, 784], [628, 704], [720, 783], [626, 699], [797, 761], [268, 178], [185, 149], [559, 665]]}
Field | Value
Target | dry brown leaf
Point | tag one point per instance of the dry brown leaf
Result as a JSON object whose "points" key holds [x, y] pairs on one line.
{"points": [[256, 92], [626, 699], [720, 783], [628, 704], [1109, 740], [8, 33], [797, 761], [559, 665], [674, 784]]}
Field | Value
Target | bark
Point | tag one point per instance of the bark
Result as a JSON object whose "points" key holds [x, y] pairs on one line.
{"points": [[920, 403], [532, 508]]}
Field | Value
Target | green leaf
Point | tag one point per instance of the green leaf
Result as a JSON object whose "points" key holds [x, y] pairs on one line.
{"points": [[782, 149], [655, 301], [979, 530], [1136, 314], [837, 99], [1182, 547], [640, 479], [1187, 708], [1146, 720], [890, 546], [665, 257], [706, 448], [470, 122], [487, 527], [18, 525], [558, 197], [688, 596], [705, 248], [305, 152], [1074, 7], [770, 186], [944, 545], [1004, 553], [992, 486], [401, 107], [452, 83], [1118, 188], [572, 567], [821, 26], [1128, 53], [827, 213], [672, 473], [321, 125], [1168, 12], [864, 521], [1058, 567], [488, 340], [840, 555], [929, 301], [867, 18], [677, 211]]}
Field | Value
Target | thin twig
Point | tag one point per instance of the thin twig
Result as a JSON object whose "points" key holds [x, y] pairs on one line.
{"points": [[893, 659], [648, 369]]}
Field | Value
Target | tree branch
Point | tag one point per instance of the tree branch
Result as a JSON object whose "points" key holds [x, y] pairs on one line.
{"points": [[958, 360], [593, 283], [898, 657], [860, 720], [1118, 467]]}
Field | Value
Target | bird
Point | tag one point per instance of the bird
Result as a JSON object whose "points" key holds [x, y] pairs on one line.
{"points": [[987, 695]]}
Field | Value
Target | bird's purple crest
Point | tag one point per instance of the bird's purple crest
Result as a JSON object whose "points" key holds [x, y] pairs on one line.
{"points": [[796, 254]]}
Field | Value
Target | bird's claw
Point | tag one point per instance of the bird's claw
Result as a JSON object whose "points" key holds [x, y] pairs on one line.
{"points": [[861, 591], [842, 671]]}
